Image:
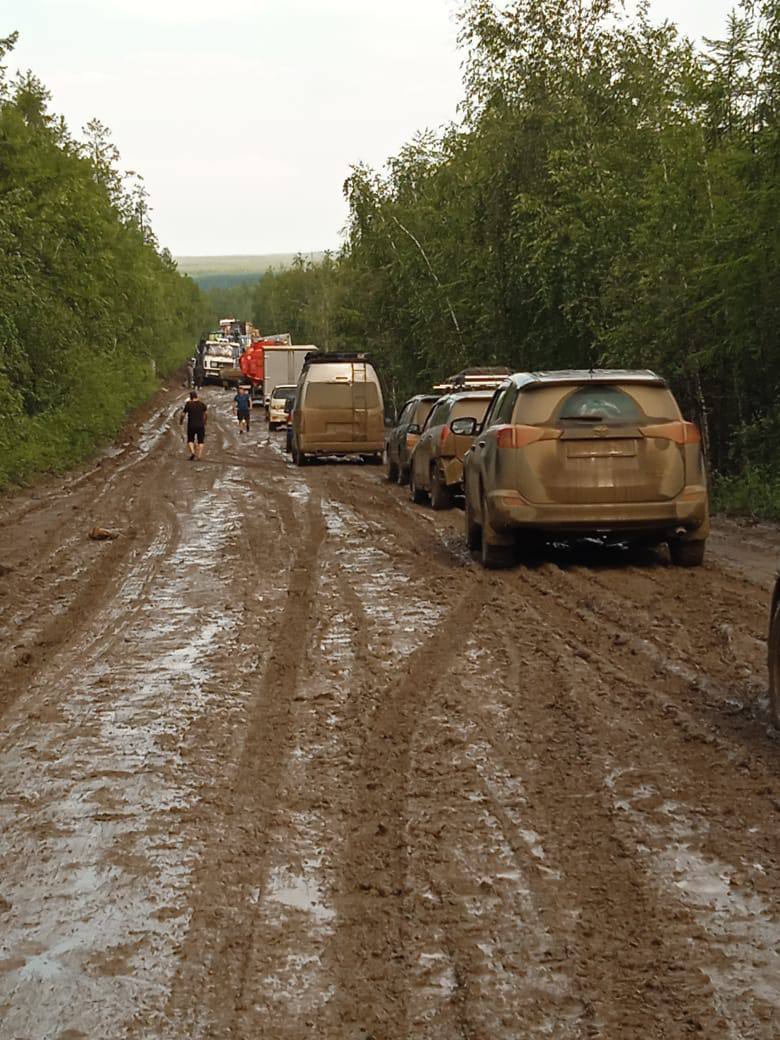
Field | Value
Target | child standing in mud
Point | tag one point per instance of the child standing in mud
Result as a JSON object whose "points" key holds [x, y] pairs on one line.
{"points": [[196, 414]]}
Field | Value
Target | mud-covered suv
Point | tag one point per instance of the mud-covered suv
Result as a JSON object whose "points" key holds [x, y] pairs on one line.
{"points": [[773, 646], [405, 434], [584, 453], [436, 464]]}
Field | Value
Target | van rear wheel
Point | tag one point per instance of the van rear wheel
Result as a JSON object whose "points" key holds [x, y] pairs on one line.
{"points": [[298, 457]]}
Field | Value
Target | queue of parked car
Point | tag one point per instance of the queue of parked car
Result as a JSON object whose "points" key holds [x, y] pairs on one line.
{"points": [[532, 455], [598, 453]]}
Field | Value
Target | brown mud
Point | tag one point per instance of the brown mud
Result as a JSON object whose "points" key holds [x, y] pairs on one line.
{"points": [[282, 761]]}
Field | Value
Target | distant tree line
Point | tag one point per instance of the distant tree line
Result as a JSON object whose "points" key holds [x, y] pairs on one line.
{"points": [[609, 197], [92, 311]]}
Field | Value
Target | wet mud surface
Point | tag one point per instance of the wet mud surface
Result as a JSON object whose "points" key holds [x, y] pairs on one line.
{"points": [[282, 761]]}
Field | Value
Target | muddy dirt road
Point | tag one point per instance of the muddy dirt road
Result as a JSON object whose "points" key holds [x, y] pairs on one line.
{"points": [[281, 761]]}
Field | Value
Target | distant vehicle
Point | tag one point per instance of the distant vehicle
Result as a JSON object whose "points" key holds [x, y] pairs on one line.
{"points": [[289, 408], [277, 410], [599, 453], [283, 363], [773, 645], [402, 439], [217, 356], [436, 463], [338, 409]]}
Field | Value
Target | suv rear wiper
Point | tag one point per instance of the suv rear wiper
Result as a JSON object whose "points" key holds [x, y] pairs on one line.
{"points": [[586, 418]]}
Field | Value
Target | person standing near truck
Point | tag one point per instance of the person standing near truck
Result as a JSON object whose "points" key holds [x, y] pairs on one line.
{"points": [[196, 414], [243, 408]]}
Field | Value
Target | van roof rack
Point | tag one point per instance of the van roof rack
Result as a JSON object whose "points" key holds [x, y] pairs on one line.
{"points": [[320, 356]]}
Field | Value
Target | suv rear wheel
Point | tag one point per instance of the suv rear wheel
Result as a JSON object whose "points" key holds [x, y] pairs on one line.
{"points": [[495, 553], [473, 530], [773, 647], [687, 554], [441, 495], [416, 494]]}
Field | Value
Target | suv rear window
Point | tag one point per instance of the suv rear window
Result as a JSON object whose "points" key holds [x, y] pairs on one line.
{"points": [[549, 404], [600, 404]]}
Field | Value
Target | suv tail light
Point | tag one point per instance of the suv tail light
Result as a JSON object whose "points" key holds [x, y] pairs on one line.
{"points": [[520, 436], [446, 441], [679, 432]]}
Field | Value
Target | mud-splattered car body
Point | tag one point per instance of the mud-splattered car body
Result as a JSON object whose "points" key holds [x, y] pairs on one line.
{"points": [[585, 453], [436, 463], [773, 648], [405, 434]]}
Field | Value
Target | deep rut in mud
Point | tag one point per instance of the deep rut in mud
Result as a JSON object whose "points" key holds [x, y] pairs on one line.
{"points": [[282, 761]]}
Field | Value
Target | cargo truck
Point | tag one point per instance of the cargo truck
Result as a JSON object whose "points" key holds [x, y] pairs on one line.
{"points": [[282, 366]]}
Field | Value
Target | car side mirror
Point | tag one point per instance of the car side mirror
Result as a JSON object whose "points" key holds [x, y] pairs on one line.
{"points": [[465, 427], [413, 428]]}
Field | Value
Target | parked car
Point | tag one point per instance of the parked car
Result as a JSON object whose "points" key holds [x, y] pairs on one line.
{"points": [[277, 412], [436, 463], [405, 434], [773, 645], [584, 453], [338, 408]]}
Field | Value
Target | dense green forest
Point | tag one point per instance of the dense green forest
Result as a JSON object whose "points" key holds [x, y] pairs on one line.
{"points": [[92, 311], [609, 195]]}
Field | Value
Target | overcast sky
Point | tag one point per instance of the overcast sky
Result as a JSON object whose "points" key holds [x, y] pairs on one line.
{"points": [[244, 116]]}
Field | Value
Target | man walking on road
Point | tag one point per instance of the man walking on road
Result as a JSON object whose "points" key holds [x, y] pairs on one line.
{"points": [[196, 413], [243, 407]]}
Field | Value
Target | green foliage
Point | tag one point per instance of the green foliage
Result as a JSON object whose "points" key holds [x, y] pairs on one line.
{"points": [[610, 197], [91, 310]]}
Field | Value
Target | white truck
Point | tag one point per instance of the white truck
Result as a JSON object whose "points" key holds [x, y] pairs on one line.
{"points": [[282, 365]]}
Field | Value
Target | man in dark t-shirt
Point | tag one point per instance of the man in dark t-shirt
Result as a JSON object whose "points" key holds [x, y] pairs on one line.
{"points": [[196, 414]]}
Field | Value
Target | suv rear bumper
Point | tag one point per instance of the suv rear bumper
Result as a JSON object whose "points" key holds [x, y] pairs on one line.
{"points": [[688, 511]]}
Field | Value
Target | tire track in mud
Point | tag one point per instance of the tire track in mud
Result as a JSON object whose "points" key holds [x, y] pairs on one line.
{"points": [[629, 951], [584, 712], [371, 915], [209, 990]]}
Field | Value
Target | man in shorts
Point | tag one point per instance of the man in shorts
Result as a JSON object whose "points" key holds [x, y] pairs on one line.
{"points": [[243, 408], [196, 413]]}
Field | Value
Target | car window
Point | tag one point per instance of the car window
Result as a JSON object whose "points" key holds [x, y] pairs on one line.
{"points": [[439, 413], [405, 415], [424, 409], [600, 404], [472, 407], [496, 403], [502, 413], [340, 395], [545, 404]]}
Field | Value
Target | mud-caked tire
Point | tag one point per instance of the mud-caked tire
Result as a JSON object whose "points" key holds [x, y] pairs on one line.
{"points": [[416, 494], [687, 554], [272, 425], [298, 457], [473, 528], [773, 660], [441, 495], [393, 471], [495, 553]]}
